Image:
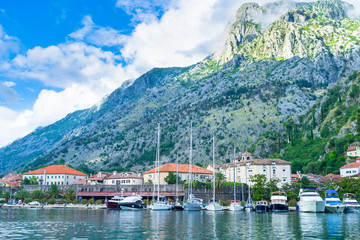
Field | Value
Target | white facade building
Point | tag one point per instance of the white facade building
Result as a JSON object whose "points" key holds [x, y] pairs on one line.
{"points": [[56, 174], [124, 178], [246, 167], [350, 169]]}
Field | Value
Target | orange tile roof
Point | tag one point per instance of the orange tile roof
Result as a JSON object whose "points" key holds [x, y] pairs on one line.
{"points": [[332, 177], [351, 165], [247, 153], [352, 148], [182, 168], [56, 169]]}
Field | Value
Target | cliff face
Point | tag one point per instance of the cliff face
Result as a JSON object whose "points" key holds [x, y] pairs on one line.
{"points": [[264, 74]]}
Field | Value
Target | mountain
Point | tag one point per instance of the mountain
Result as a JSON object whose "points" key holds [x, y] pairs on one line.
{"points": [[273, 66]]}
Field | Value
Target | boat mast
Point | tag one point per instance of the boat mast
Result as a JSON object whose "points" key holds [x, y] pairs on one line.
{"points": [[234, 179], [190, 167], [176, 186], [214, 176], [158, 162], [154, 186]]}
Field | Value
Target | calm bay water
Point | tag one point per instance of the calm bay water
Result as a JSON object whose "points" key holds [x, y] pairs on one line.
{"points": [[112, 224]]}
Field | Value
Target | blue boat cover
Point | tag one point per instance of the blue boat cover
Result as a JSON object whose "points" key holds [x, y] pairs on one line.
{"points": [[330, 191]]}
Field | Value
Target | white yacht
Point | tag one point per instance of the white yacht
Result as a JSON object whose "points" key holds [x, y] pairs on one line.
{"points": [[351, 205], [159, 205], [310, 200], [213, 205], [132, 203], [235, 206], [193, 203], [333, 203]]}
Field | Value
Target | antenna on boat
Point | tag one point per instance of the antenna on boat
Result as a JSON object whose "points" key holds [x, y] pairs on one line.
{"points": [[158, 160], [176, 186], [234, 178], [190, 167], [214, 176]]}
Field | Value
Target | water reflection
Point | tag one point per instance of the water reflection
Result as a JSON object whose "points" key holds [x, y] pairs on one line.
{"points": [[93, 224]]}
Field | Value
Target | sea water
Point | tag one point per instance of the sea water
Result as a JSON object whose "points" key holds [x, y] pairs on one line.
{"points": [[115, 224]]}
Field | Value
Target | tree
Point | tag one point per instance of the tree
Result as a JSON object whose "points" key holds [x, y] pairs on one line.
{"points": [[305, 182], [171, 178], [220, 180], [37, 194], [6, 195], [258, 189], [25, 181], [54, 191], [34, 181], [22, 194], [70, 194]]}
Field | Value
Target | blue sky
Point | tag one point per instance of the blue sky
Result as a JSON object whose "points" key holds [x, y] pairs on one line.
{"points": [[60, 56]]}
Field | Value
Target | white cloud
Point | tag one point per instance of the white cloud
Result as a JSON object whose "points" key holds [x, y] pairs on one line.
{"points": [[9, 84], [8, 44], [99, 36], [7, 93]]}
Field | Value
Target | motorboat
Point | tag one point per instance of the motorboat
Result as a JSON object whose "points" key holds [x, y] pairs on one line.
{"points": [[214, 206], [278, 202], [235, 206], [193, 203], [161, 205], [333, 203], [351, 205], [178, 206], [113, 203], [132, 203], [249, 205], [310, 200], [262, 206]]}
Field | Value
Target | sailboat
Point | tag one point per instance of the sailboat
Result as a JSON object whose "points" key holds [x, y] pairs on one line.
{"points": [[193, 203], [159, 205], [214, 206], [177, 206], [249, 204], [235, 206]]}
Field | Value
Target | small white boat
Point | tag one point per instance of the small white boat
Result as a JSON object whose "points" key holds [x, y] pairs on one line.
{"points": [[278, 202], [193, 203], [351, 205], [160, 205], [310, 200], [132, 203], [214, 206], [235, 206], [332, 202], [249, 205]]}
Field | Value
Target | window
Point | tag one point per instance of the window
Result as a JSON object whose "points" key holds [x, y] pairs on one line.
{"points": [[284, 179], [74, 177], [284, 170], [48, 177], [55, 177], [63, 176], [274, 172], [354, 171], [47, 183], [52, 177]]}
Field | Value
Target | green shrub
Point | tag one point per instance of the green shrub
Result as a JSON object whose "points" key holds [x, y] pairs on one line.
{"points": [[2, 201], [75, 201], [225, 203], [60, 201], [91, 201], [242, 203], [43, 200], [68, 201], [98, 202], [52, 200], [27, 200], [292, 203], [84, 201]]}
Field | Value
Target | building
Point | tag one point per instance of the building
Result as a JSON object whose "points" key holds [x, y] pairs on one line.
{"points": [[199, 173], [12, 179], [124, 178], [350, 169], [331, 177], [56, 174], [98, 178], [353, 151], [246, 167]]}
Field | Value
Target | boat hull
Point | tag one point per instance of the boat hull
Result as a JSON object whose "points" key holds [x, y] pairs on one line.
{"points": [[178, 208], [334, 209], [352, 209], [112, 205], [249, 208], [131, 206], [192, 206], [235, 207], [161, 207], [262, 208], [311, 206], [214, 207], [279, 208]]}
